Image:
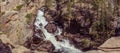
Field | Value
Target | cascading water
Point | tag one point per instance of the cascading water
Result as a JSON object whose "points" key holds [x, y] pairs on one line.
{"points": [[63, 46]]}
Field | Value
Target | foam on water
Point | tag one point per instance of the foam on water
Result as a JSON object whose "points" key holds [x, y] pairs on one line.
{"points": [[64, 46]]}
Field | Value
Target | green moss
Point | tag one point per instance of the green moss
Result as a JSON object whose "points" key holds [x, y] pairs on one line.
{"points": [[29, 17], [85, 42], [17, 8], [69, 8]]}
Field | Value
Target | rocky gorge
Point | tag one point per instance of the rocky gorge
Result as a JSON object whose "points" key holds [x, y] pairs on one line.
{"points": [[90, 26]]}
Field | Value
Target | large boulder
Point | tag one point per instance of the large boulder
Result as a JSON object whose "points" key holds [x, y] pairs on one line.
{"points": [[112, 44]]}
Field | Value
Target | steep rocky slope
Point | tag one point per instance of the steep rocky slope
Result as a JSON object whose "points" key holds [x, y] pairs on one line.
{"points": [[16, 21], [87, 24]]}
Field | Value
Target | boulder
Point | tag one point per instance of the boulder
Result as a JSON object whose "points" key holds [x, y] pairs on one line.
{"points": [[46, 46], [112, 44], [51, 28], [58, 37]]}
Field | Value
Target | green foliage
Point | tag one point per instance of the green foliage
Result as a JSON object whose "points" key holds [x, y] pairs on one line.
{"points": [[3, 0], [17, 8], [48, 3], [69, 8], [95, 18], [105, 15], [29, 17], [85, 41]]}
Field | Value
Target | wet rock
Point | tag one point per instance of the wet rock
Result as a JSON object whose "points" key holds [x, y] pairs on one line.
{"points": [[39, 34], [4, 48], [34, 42], [51, 28], [47, 46], [58, 37], [39, 44], [80, 42]]}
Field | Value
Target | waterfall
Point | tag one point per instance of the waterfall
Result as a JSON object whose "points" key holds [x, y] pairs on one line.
{"points": [[64, 45]]}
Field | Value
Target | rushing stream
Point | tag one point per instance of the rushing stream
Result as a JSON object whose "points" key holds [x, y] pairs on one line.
{"points": [[63, 46]]}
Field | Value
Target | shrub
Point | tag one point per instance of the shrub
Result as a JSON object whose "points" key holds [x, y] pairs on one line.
{"points": [[29, 17], [102, 26]]}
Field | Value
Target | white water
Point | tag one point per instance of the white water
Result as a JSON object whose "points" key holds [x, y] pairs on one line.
{"points": [[64, 45]]}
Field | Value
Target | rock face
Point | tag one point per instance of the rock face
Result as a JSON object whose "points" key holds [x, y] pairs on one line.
{"points": [[111, 44], [39, 44], [17, 21], [59, 37], [16, 24]]}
